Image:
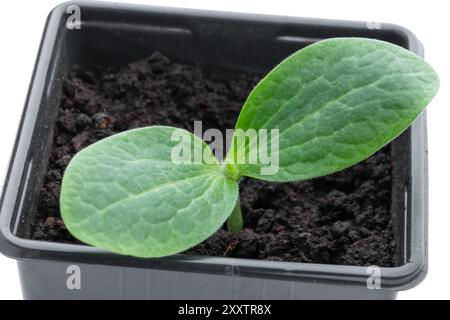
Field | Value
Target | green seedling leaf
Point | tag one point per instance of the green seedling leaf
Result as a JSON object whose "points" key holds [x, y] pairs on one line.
{"points": [[334, 104], [124, 194], [326, 107]]}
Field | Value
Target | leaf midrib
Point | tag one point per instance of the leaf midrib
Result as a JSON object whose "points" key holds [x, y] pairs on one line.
{"points": [[326, 105], [103, 211]]}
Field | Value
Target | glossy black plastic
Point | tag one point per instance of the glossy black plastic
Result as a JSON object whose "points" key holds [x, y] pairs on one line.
{"points": [[114, 34]]}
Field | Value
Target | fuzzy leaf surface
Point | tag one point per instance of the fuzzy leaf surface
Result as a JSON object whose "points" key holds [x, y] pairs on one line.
{"points": [[124, 194], [334, 103]]}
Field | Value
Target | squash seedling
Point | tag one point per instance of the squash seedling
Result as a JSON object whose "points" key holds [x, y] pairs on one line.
{"points": [[324, 108]]}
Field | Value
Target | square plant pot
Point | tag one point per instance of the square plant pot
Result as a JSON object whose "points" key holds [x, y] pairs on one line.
{"points": [[115, 34]]}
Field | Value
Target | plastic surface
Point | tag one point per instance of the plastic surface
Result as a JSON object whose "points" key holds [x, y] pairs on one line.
{"points": [[114, 34]]}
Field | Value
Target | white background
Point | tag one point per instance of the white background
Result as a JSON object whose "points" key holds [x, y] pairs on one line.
{"points": [[21, 27]]}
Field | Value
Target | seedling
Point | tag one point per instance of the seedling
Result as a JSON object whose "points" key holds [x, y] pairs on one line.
{"points": [[332, 104]]}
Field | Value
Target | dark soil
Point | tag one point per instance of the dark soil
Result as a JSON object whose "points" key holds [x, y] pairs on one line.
{"points": [[340, 219]]}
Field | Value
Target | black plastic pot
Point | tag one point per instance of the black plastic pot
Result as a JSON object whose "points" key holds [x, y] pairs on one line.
{"points": [[114, 34]]}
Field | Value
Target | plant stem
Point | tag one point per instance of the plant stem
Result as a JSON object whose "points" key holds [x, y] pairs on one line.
{"points": [[231, 171], [235, 222]]}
